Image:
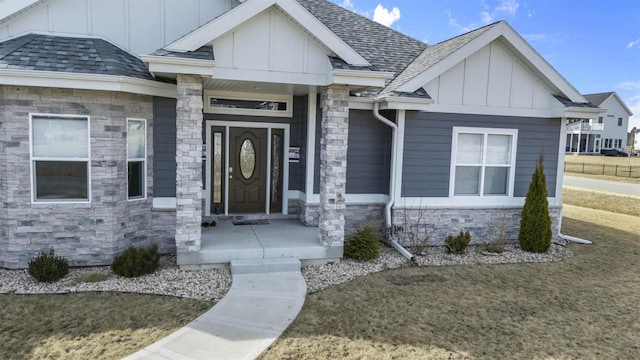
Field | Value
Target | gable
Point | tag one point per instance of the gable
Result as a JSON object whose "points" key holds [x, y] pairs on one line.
{"points": [[138, 26], [271, 41], [615, 108], [491, 77]]}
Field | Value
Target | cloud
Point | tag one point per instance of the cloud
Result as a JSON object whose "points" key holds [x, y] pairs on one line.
{"points": [[453, 22], [486, 18], [634, 44], [535, 37], [509, 7], [348, 4], [530, 13], [385, 17]]}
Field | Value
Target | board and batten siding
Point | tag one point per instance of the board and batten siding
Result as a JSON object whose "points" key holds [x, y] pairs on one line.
{"points": [[141, 27], [368, 153], [427, 150], [491, 77], [164, 147]]}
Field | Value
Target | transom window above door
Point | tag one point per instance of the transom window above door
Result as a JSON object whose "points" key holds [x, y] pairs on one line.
{"points": [[483, 162]]}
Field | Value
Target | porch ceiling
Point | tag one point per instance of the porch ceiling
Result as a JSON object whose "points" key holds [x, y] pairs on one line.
{"points": [[255, 87]]}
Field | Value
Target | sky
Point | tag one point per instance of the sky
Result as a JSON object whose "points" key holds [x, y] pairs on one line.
{"points": [[594, 44]]}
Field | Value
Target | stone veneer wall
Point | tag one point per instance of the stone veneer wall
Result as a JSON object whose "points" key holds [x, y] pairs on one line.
{"points": [[333, 163], [188, 163], [354, 215], [86, 234], [482, 224]]}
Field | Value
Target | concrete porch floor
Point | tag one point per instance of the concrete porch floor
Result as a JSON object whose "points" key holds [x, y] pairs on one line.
{"points": [[278, 239]]}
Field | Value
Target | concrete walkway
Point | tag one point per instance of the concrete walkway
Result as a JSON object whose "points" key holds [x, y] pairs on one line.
{"points": [[602, 185], [265, 296]]}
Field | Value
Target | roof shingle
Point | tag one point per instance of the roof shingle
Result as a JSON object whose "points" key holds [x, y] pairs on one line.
{"points": [[71, 55]]}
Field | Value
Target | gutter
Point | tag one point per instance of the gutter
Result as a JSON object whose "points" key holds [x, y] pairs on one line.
{"points": [[392, 179], [574, 239]]}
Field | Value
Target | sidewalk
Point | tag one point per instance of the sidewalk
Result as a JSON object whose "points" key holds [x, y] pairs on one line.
{"points": [[265, 297]]}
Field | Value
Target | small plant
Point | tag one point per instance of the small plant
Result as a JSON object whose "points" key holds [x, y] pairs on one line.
{"points": [[413, 233], [535, 222], [457, 244], [135, 262], [363, 244], [48, 267], [499, 238]]}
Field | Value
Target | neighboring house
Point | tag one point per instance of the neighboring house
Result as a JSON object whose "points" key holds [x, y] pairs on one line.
{"points": [[307, 111], [636, 140], [607, 131]]}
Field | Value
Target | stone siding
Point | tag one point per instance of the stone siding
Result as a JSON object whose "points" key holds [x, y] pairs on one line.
{"points": [[482, 224], [333, 164], [163, 222], [188, 163], [85, 233], [355, 215]]}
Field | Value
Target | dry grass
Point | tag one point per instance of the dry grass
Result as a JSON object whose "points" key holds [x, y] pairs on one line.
{"points": [[89, 325], [599, 160], [586, 307], [594, 169], [597, 200]]}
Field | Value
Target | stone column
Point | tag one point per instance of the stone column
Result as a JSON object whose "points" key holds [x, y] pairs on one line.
{"points": [[333, 164], [188, 163]]}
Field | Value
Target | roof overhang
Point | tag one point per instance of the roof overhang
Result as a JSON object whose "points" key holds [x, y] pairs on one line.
{"points": [[524, 51], [177, 65], [576, 112], [87, 82], [248, 9], [10, 8], [359, 78], [389, 103]]}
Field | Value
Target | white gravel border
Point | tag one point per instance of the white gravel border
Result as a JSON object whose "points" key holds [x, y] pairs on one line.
{"points": [[213, 284]]}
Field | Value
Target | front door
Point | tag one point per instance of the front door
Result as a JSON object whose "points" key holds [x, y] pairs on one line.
{"points": [[597, 146], [247, 170]]}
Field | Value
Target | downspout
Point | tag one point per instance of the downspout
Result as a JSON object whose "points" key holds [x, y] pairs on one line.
{"points": [[392, 179]]}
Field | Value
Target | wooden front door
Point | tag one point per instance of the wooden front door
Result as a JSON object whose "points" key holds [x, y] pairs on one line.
{"points": [[247, 170]]}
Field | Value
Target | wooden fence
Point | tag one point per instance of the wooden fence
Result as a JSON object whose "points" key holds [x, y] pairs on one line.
{"points": [[602, 169]]}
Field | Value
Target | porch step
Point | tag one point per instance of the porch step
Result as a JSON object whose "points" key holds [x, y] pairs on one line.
{"points": [[262, 266]]}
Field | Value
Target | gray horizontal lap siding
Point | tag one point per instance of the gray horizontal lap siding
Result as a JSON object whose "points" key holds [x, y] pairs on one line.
{"points": [[368, 153], [164, 147], [427, 150]]}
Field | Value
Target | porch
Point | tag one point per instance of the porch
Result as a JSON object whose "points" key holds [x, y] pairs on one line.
{"points": [[282, 238]]}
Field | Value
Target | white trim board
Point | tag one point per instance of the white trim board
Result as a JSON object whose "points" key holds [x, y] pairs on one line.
{"points": [[470, 202], [87, 82]]}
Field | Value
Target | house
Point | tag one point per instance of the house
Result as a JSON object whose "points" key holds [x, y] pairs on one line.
{"points": [[607, 131], [137, 120]]}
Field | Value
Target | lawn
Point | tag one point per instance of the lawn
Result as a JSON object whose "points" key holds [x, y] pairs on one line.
{"points": [[89, 325], [586, 307], [597, 200]]}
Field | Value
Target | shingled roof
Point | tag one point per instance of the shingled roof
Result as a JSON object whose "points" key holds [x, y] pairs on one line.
{"points": [[203, 53], [432, 55], [70, 55], [384, 48], [598, 99]]}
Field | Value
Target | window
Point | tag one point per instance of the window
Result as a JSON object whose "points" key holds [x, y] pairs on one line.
{"points": [[483, 162], [258, 104], [600, 120], [136, 158], [59, 158], [619, 121]]}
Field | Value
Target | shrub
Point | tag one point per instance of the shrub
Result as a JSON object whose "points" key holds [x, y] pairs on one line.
{"points": [[363, 244], [48, 267], [135, 262], [457, 244], [535, 222]]}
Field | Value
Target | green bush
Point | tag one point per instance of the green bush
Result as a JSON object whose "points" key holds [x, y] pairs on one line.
{"points": [[363, 244], [135, 262], [457, 244], [48, 267], [535, 222]]}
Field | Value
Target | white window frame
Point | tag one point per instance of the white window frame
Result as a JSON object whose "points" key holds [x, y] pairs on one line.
{"points": [[485, 132], [232, 95], [33, 159], [143, 160]]}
